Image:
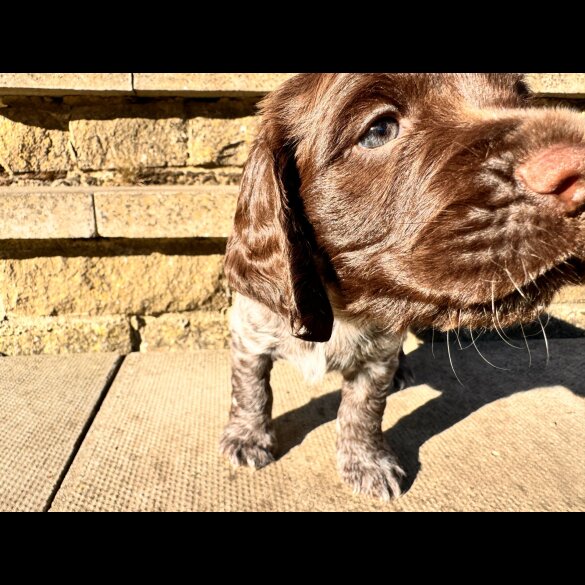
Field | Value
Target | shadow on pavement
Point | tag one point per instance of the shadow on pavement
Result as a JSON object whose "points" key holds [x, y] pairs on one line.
{"points": [[513, 371]]}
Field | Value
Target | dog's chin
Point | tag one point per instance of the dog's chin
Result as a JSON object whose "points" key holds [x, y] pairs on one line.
{"points": [[522, 305], [512, 310], [517, 305]]}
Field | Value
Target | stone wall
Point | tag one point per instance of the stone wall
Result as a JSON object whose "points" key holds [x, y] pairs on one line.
{"points": [[117, 194]]}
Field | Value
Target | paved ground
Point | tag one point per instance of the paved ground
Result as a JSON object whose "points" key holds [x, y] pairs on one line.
{"points": [[73, 440]]}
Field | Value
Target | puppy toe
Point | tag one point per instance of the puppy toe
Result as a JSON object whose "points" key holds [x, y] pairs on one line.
{"points": [[376, 475], [250, 452]]}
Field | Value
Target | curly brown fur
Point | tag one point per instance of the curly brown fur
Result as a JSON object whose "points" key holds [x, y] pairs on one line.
{"points": [[337, 249]]}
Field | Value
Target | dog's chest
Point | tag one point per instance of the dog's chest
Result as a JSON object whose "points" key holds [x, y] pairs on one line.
{"points": [[350, 346]]}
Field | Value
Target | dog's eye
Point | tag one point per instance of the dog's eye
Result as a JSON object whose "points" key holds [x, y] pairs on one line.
{"points": [[381, 131]]}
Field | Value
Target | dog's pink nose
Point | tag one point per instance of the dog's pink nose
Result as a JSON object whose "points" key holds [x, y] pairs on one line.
{"points": [[558, 171]]}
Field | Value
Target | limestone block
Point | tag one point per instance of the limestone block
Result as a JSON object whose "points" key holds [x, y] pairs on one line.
{"points": [[166, 213], [185, 331], [65, 83], [56, 335], [572, 313], [129, 136], [34, 214], [207, 84], [221, 142], [571, 294], [142, 284], [557, 84], [33, 141]]}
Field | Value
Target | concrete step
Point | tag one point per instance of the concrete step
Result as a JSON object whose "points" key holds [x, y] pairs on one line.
{"points": [[508, 439]]}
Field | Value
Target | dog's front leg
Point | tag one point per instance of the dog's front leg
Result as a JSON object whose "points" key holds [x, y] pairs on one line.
{"points": [[249, 438], [365, 462]]}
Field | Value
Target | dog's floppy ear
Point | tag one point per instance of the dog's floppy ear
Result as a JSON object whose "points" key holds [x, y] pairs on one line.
{"points": [[269, 254]]}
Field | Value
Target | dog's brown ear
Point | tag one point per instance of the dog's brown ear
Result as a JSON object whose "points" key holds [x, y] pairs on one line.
{"points": [[269, 254]]}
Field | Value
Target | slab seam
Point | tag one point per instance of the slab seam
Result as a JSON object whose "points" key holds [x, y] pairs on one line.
{"points": [[81, 437]]}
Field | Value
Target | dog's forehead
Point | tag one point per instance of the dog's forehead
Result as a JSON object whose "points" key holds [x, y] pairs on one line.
{"points": [[411, 89], [485, 89], [336, 91], [310, 109], [309, 104]]}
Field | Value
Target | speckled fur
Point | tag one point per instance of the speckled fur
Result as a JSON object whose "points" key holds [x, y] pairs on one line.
{"points": [[338, 248], [367, 357]]}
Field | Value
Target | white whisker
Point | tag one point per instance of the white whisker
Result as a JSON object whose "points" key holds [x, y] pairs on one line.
{"points": [[545, 340], [481, 355], [515, 285], [497, 322], [451, 361], [433, 344], [527, 346]]}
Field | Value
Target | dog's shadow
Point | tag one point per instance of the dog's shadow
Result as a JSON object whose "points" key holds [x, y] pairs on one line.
{"points": [[482, 385]]}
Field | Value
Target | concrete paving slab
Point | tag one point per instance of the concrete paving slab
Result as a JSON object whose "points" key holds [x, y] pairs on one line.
{"points": [[45, 402], [506, 440]]}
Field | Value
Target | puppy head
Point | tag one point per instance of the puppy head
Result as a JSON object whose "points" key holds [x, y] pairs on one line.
{"points": [[440, 200]]}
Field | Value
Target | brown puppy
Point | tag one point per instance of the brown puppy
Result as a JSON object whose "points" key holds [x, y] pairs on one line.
{"points": [[372, 202]]}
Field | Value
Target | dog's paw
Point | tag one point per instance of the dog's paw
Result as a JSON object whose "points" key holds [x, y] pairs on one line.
{"points": [[252, 449], [377, 474]]}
